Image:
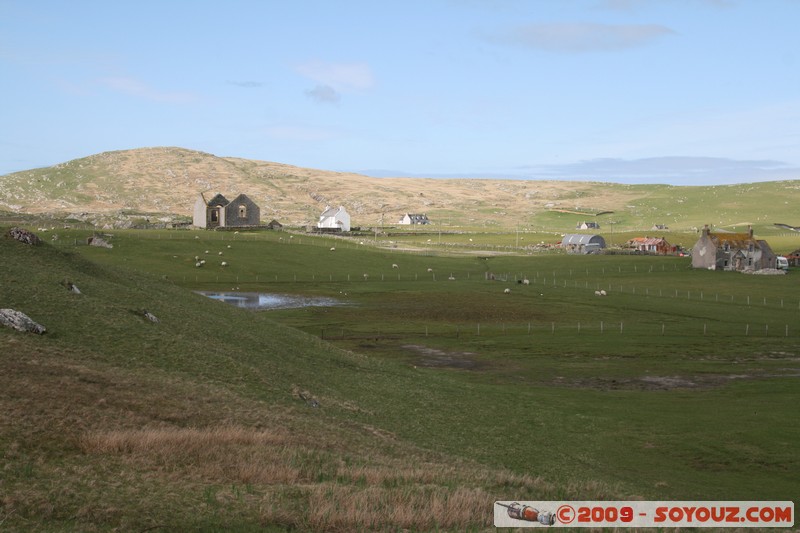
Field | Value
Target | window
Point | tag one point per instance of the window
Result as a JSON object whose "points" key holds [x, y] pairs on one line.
{"points": [[242, 211], [214, 215]]}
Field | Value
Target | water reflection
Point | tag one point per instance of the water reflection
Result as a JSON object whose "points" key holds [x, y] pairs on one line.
{"points": [[261, 300]]}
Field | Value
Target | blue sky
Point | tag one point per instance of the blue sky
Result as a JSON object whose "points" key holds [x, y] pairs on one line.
{"points": [[631, 91]]}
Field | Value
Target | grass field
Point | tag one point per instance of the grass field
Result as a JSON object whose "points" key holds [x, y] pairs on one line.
{"points": [[436, 396]]}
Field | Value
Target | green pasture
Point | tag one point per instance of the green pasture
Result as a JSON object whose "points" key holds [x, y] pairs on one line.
{"points": [[678, 384], [665, 334]]}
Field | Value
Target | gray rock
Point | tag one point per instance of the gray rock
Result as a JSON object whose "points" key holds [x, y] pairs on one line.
{"points": [[24, 236], [20, 321]]}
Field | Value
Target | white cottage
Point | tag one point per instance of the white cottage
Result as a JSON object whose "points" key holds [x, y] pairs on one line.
{"points": [[334, 218]]}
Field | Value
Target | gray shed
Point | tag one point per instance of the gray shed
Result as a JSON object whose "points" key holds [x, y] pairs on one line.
{"points": [[576, 243]]}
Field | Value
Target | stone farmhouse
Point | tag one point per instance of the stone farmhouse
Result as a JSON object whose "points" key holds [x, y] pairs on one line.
{"points": [[334, 218], [408, 218], [218, 212], [575, 243], [731, 251]]}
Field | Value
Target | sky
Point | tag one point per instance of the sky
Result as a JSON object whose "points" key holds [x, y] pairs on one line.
{"points": [[684, 92]]}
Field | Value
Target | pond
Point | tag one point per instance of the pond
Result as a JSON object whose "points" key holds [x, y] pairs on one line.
{"points": [[261, 300]]}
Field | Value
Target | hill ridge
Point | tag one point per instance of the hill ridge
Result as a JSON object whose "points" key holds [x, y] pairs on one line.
{"points": [[167, 180]]}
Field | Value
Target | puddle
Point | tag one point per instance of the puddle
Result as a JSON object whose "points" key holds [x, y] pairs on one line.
{"points": [[261, 300]]}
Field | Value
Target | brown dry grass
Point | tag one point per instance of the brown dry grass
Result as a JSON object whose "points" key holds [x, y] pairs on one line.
{"points": [[172, 178]]}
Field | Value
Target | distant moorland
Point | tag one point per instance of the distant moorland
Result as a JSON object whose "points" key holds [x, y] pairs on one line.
{"points": [[165, 181]]}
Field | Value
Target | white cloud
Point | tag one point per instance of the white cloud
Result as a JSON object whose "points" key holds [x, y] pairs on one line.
{"points": [[580, 37], [134, 87], [324, 94], [338, 76]]}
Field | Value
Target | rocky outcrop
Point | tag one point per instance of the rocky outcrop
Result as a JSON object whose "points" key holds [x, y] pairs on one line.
{"points": [[24, 236], [20, 321]]}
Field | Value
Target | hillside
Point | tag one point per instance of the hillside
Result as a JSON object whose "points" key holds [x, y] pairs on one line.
{"points": [[204, 420], [167, 180]]}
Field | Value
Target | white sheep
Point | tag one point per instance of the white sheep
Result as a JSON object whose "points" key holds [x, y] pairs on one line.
{"points": [[224, 263], [206, 251], [602, 293], [229, 246], [366, 277], [394, 265], [333, 248], [451, 278], [597, 293], [202, 261], [507, 291], [526, 281], [220, 253], [198, 264], [430, 270]]}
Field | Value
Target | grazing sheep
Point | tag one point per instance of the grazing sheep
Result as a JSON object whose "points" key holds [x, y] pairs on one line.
{"points": [[220, 253], [526, 281], [333, 248], [602, 293], [206, 251], [597, 293], [224, 263], [430, 270], [197, 258], [202, 261], [229, 246], [198, 264], [451, 278], [366, 277], [507, 291], [394, 265]]}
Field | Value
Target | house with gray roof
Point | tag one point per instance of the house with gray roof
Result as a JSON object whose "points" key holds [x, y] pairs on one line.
{"points": [[219, 212]]}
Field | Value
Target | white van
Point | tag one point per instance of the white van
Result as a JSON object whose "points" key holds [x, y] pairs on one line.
{"points": [[782, 263]]}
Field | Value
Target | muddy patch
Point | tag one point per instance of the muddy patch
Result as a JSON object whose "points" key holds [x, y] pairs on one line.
{"points": [[654, 383], [435, 358]]}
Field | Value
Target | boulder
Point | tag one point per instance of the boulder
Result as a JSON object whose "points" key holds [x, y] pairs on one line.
{"points": [[24, 236], [20, 321]]}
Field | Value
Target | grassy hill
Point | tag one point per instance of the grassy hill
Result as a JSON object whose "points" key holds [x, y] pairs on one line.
{"points": [[433, 397], [166, 181], [205, 421]]}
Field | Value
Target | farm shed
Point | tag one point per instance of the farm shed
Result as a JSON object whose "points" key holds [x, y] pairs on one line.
{"points": [[409, 218], [575, 243], [650, 245], [334, 218], [218, 212], [731, 251]]}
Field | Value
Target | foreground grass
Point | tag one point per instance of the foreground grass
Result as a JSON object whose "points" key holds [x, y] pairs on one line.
{"points": [[204, 419]]}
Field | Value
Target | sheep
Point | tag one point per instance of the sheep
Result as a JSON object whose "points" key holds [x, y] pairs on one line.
{"points": [[198, 264], [526, 281], [220, 253], [202, 261], [451, 278], [602, 293], [333, 248], [394, 265], [224, 263], [597, 293], [366, 277], [229, 246], [507, 291], [206, 251], [430, 270]]}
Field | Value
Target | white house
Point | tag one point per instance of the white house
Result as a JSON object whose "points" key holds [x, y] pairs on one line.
{"points": [[334, 218], [410, 218]]}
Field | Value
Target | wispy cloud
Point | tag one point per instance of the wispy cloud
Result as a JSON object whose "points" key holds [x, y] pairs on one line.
{"points": [[134, 87], [677, 170], [338, 76], [246, 84], [324, 94], [580, 37]]}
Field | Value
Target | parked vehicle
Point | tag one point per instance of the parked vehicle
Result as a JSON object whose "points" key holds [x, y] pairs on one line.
{"points": [[782, 263]]}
